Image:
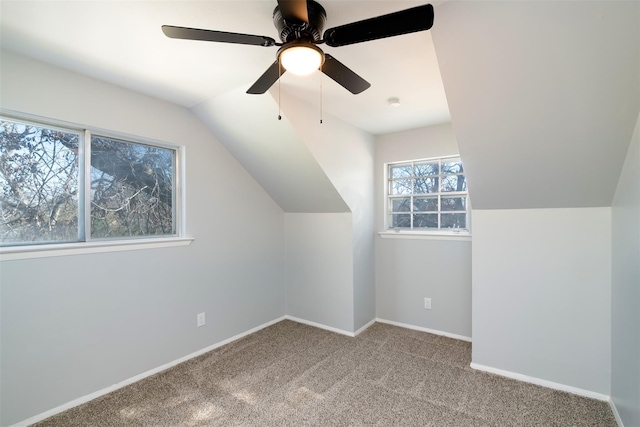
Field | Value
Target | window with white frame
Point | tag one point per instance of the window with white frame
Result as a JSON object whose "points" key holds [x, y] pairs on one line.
{"points": [[61, 185], [427, 195]]}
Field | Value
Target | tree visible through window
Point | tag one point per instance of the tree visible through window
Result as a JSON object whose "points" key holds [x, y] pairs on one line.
{"points": [[427, 194], [42, 191], [39, 179], [131, 189]]}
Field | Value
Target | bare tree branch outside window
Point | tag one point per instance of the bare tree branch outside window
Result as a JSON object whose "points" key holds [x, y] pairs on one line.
{"points": [[38, 184], [429, 194], [132, 188]]}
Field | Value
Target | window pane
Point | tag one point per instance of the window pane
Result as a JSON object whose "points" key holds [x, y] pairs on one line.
{"points": [[423, 204], [426, 185], [400, 171], [453, 204], [426, 169], [402, 186], [455, 220], [38, 184], [132, 189], [401, 205], [428, 194], [400, 221], [453, 183], [452, 166], [425, 220]]}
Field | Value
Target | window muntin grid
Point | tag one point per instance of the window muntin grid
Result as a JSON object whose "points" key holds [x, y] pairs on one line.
{"points": [[427, 194]]}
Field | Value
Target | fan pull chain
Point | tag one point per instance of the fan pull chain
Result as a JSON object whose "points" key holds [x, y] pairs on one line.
{"points": [[321, 95], [279, 75]]}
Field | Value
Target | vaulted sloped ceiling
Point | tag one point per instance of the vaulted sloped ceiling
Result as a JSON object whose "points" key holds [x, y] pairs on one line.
{"points": [[543, 97], [271, 151]]}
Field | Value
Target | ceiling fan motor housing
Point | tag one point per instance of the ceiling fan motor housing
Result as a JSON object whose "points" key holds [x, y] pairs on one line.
{"points": [[311, 31]]}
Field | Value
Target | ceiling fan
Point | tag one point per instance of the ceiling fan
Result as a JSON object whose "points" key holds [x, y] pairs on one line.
{"points": [[300, 24]]}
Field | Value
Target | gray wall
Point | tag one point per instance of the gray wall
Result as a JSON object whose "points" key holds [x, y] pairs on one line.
{"points": [[625, 292], [346, 155], [309, 168], [535, 113], [73, 325], [408, 270], [319, 268], [542, 294]]}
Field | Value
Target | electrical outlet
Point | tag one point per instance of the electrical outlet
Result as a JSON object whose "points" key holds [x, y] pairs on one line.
{"points": [[200, 319], [427, 303]]}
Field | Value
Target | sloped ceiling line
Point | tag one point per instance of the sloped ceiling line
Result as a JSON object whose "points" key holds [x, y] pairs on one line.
{"points": [[543, 97], [271, 151]]}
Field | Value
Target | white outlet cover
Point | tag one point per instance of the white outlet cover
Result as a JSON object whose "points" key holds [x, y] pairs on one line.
{"points": [[201, 319]]}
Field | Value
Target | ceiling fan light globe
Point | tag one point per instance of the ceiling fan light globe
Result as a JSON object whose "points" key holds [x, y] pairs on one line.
{"points": [[301, 60]]}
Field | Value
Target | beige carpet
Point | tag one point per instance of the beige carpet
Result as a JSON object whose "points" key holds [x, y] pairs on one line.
{"points": [[291, 374]]}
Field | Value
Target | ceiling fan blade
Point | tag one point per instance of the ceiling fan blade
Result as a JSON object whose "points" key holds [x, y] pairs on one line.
{"points": [[406, 21], [267, 79], [343, 75], [294, 10], [216, 36]]}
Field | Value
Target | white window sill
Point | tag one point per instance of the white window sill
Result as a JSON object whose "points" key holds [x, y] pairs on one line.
{"points": [[463, 236], [80, 248]]}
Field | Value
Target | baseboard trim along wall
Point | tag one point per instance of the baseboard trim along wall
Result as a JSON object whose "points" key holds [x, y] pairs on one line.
{"points": [[420, 328], [320, 325], [331, 328], [541, 382], [612, 405], [94, 395], [361, 330], [136, 378]]}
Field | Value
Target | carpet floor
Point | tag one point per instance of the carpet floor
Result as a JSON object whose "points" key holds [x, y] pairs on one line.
{"points": [[291, 374]]}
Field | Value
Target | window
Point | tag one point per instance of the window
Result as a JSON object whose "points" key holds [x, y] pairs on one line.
{"points": [[132, 190], [66, 185], [427, 195]]}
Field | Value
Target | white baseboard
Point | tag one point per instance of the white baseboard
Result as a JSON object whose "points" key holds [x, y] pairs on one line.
{"points": [[541, 382], [320, 325], [361, 330], [420, 328], [331, 328], [102, 392], [615, 413], [136, 378]]}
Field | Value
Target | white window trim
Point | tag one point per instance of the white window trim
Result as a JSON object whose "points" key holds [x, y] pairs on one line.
{"points": [[90, 246], [393, 234], [12, 253], [428, 234]]}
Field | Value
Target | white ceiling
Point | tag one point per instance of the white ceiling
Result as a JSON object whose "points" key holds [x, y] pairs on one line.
{"points": [[121, 42], [543, 95]]}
